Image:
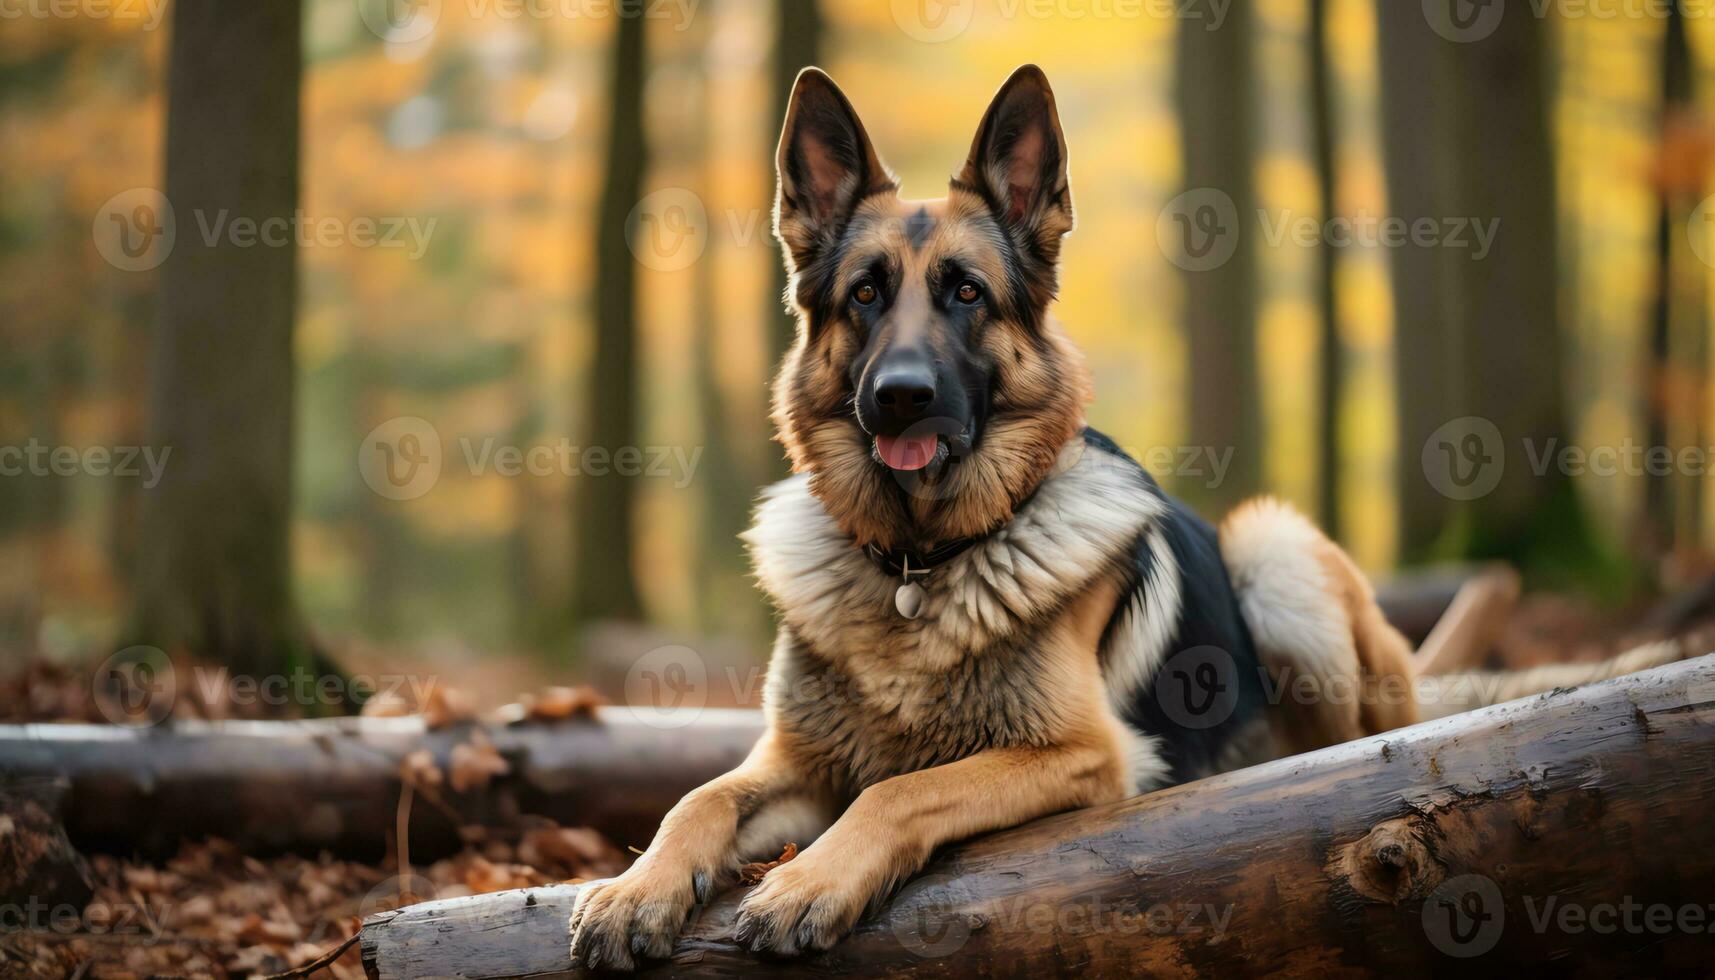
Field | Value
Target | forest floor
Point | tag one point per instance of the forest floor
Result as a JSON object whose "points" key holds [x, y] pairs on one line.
{"points": [[212, 911]]}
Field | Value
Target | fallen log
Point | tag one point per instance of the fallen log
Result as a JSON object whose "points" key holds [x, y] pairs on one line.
{"points": [[1575, 827], [1415, 601], [334, 784]]}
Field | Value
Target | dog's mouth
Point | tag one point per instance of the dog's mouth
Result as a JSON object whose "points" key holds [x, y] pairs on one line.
{"points": [[908, 452]]}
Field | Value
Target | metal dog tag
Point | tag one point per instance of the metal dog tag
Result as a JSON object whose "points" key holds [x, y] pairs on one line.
{"points": [[908, 599]]}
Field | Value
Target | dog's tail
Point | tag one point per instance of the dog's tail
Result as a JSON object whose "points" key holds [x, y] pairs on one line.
{"points": [[1439, 695], [1337, 669]]}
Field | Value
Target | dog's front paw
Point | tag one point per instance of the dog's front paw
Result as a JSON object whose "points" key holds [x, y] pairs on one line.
{"points": [[632, 916], [796, 909]]}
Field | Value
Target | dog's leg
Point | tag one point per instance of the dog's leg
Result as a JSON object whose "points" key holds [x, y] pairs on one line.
{"points": [[890, 830], [694, 853]]}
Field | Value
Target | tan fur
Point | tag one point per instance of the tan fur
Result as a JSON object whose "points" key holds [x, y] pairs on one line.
{"points": [[1077, 757], [1041, 388], [1313, 615]]}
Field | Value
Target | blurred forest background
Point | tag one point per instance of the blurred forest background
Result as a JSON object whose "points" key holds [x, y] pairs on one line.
{"points": [[599, 270]]}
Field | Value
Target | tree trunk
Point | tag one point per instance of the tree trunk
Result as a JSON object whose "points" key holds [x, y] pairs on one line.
{"points": [[730, 605], [1215, 98], [1322, 106], [1507, 837], [1477, 332], [606, 504], [1674, 361], [1426, 369], [213, 574], [797, 44]]}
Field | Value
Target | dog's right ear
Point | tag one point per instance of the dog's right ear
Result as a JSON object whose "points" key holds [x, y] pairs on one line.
{"points": [[826, 165]]}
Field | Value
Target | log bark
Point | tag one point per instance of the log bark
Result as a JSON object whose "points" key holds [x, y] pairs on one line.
{"points": [[333, 784], [1545, 829]]}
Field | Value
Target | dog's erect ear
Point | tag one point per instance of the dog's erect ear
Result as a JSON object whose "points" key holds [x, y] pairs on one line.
{"points": [[825, 163], [1018, 161]]}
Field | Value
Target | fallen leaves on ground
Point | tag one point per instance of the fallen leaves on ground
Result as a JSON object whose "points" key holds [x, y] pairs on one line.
{"points": [[213, 911]]}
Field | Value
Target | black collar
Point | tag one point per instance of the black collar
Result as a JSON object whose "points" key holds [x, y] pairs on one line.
{"points": [[909, 561]]}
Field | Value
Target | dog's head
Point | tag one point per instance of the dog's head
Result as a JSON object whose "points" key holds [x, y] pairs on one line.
{"points": [[928, 391]]}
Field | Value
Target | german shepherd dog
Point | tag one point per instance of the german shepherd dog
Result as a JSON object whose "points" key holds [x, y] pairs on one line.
{"points": [[989, 612]]}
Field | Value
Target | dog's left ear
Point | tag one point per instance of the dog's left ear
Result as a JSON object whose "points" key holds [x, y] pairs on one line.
{"points": [[1018, 161]]}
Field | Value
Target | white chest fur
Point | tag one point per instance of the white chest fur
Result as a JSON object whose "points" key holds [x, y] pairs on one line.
{"points": [[1086, 514]]}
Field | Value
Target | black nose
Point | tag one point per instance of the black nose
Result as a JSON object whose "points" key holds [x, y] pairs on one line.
{"points": [[904, 394]]}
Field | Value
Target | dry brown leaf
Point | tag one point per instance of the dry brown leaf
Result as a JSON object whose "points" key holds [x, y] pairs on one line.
{"points": [[559, 703], [445, 705], [387, 704], [754, 872], [474, 763], [419, 770]]}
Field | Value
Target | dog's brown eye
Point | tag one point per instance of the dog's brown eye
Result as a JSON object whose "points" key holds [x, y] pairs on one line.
{"points": [[864, 293], [968, 292]]}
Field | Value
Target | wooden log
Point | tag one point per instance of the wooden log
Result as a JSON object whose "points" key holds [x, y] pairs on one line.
{"points": [[1416, 601], [1472, 624], [334, 784], [1575, 827]]}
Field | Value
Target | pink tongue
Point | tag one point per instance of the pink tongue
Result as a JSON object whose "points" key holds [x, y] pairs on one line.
{"points": [[906, 452]]}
